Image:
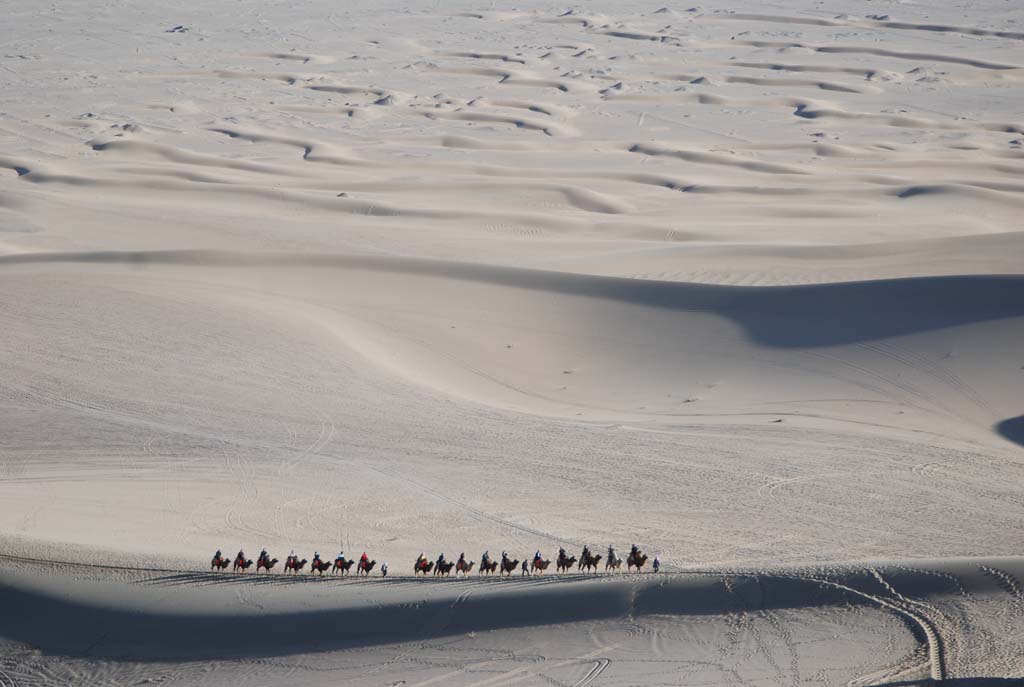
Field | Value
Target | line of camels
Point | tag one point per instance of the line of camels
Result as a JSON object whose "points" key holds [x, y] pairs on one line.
{"points": [[292, 564], [506, 566], [587, 562]]}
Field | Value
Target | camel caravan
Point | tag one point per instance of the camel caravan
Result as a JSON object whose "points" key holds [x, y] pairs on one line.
{"points": [[505, 566], [292, 564], [587, 562]]}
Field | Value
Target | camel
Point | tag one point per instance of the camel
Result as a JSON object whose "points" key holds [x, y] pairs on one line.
{"points": [[266, 563], [614, 562], [242, 564], [508, 566], [444, 569], [293, 564], [589, 561], [219, 563], [423, 566], [540, 566], [319, 566], [565, 562], [366, 567], [463, 567], [636, 560], [488, 567], [342, 565]]}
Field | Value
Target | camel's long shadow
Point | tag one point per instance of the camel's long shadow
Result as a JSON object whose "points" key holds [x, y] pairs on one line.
{"points": [[779, 316], [200, 579]]}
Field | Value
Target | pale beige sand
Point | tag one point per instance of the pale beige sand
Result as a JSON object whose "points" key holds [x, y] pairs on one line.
{"points": [[741, 283]]}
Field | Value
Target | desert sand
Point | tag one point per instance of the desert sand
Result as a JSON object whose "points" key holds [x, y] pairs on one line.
{"points": [[740, 283]]}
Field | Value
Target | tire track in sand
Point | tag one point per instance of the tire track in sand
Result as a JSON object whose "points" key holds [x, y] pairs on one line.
{"points": [[599, 667]]}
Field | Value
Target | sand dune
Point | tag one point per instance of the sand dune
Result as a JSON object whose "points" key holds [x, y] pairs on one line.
{"points": [[782, 612], [743, 285]]}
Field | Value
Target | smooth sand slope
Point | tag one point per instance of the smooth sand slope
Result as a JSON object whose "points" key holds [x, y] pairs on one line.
{"points": [[742, 284]]}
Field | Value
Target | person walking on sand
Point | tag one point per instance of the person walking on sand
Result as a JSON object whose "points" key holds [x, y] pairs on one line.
{"points": [[526, 568], [656, 564], [384, 569]]}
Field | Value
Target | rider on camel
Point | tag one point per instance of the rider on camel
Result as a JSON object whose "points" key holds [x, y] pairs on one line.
{"points": [[561, 553], [611, 552], [340, 556], [634, 552], [218, 556], [316, 558], [363, 560], [240, 556], [440, 561], [586, 553], [263, 556], [485, 560], [421, 562], [537, 556]]}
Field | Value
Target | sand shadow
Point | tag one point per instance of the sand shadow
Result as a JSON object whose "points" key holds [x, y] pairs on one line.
{"points": [[958, 682], [62, 625], [1012, 429], [779, 316]]}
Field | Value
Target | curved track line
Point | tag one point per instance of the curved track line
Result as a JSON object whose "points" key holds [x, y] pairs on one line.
{"points": [[595, 672]]}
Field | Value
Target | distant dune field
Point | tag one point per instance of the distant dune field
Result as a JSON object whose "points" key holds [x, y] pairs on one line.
{"points": [[740, 284]]}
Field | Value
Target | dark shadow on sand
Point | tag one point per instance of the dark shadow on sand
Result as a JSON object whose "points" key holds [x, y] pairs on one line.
{"points": [[958, 682], [66, 626], [779, 316], [1012, 429]]}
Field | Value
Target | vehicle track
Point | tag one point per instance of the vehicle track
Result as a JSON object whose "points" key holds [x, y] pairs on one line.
{"points": [[6, 680], [600, 665], [929, 368]]}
